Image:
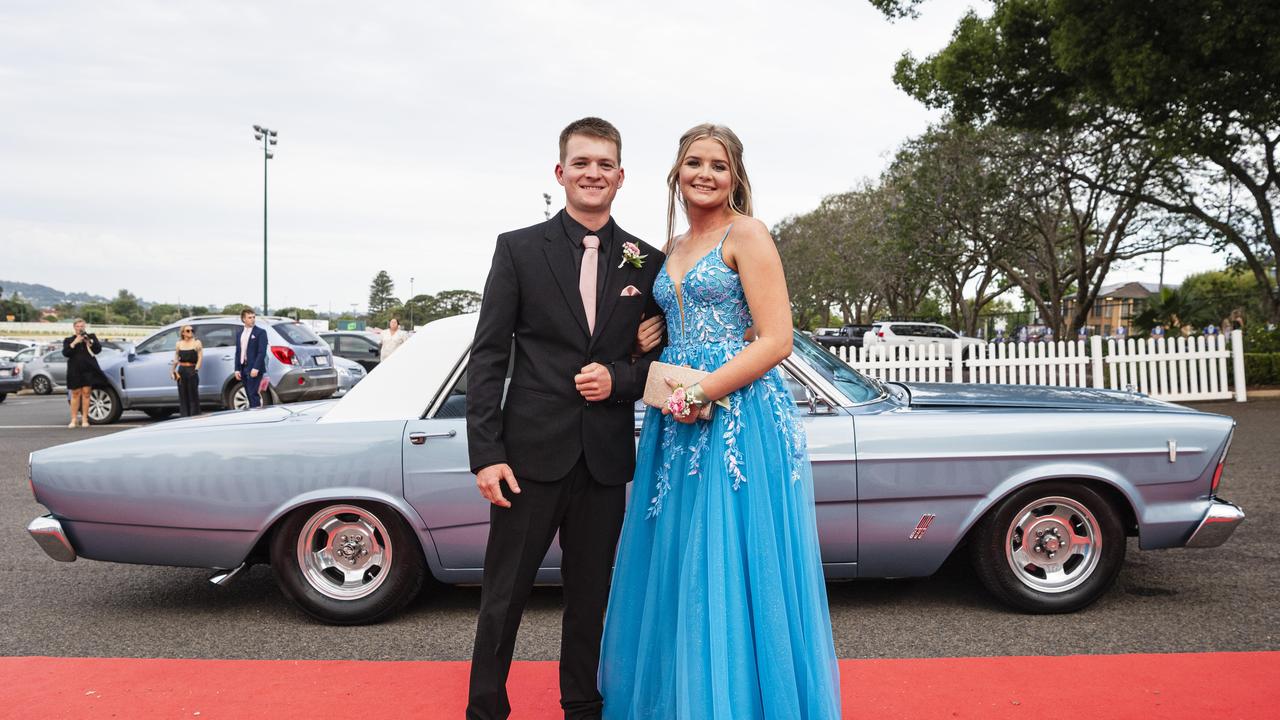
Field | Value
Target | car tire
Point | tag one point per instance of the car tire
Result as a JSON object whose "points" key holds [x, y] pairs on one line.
{"points": [[104, 405], [159, 413], [385, 568], [235, 399], [41, 385], [3, 396], [1081, 529]]}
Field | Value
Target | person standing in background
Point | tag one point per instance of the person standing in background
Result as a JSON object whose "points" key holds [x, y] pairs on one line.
{"points": [[251, 357], [81, 351], [188, 356], [392, 339]]}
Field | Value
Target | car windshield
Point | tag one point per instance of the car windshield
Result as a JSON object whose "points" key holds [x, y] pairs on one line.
{"points": [[297, 333], [856, 387]]}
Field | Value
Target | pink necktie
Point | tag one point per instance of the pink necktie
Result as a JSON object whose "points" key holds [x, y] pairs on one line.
{"points": [[587, 278]]}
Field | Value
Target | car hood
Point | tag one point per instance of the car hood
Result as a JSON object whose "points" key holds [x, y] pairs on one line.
{"points": [[1032, 396]]}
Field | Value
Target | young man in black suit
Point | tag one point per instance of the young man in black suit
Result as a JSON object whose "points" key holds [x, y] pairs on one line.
{"points": [[571, 293]]}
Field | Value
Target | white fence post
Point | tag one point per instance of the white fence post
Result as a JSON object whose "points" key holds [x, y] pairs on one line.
{"points": [[1237, 362], [1095, 359], [957, 361]]}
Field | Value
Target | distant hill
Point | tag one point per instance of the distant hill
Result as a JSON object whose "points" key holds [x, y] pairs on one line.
{"points": [[45, 296]]}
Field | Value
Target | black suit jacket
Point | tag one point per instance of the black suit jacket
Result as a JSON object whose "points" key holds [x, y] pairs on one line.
{"points": [[532, 296]]}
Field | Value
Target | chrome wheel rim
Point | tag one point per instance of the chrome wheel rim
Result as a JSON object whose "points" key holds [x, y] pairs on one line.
{"points": [[240, 399], [344, 552], [1053, 544], [99, 405], [40, 384]]}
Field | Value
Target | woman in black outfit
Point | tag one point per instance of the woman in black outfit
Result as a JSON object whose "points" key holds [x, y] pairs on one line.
{"points": [[81, 350], [188, 355]]}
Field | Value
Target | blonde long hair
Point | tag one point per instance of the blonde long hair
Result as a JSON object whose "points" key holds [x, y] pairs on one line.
{"points": [[739, 195]]}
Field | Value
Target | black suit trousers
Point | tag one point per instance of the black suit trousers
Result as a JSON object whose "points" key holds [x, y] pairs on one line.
{"points": [[588, 516]]}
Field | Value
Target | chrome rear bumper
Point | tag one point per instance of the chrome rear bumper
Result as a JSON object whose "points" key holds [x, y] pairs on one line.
{"points": [[48, 534], [1218, 524]]}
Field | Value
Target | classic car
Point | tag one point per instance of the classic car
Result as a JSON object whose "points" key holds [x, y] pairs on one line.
{"points": [[354, 501]]}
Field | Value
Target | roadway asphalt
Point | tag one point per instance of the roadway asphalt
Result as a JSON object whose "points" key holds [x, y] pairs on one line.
{"points": [[1220, 599]]}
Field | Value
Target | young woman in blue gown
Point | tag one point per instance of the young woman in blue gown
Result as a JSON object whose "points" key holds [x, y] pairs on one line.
{"points": [[718, 609]]}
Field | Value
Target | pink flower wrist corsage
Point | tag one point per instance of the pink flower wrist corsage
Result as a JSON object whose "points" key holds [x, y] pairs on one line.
{"points": [[678, 404]]}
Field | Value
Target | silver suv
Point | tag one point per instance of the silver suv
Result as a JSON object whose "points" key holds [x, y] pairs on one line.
{"points": [[299, 367]]}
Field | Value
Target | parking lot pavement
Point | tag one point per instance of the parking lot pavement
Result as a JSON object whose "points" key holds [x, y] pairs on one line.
{"points": [[1219, 599], [27, 411]]}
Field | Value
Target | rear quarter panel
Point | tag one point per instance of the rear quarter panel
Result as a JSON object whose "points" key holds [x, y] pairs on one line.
{"points": [[958, 463]]}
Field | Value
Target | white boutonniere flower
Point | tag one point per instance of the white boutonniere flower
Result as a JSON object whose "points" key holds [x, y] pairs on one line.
{"points": [[631, 254]]}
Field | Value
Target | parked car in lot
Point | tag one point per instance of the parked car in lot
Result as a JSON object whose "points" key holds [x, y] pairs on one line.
{"points": [[10, 377], [361, 347], [846, 336], [354, 501], [919, 335], [349, 373], [9, 348], [299, 367]]}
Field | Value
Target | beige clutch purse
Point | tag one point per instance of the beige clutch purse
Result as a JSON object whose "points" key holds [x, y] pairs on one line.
{"points": [[656, 390]]}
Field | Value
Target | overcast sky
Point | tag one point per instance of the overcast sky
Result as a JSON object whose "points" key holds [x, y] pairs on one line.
{"points": [[409, 136]]}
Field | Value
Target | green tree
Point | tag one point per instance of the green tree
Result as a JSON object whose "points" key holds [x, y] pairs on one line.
{"points": [[125, 308], [381, 295], [954, 201], [296, 313], [1197, 82], [235, 308], [456, 302]]}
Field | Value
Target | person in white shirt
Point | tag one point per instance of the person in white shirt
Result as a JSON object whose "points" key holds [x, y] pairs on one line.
{"points": [[392, 339]]}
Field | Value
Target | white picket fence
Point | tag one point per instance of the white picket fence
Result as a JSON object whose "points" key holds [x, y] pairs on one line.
{"points": [[1175, 369]]}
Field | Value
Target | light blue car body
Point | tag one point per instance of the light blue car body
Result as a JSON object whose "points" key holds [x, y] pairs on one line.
{"points": [[207, 491]]}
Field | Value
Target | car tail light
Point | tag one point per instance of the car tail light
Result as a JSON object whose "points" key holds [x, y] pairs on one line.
{"points": [[879, 333], [1222, 464], [17, 370], [285, 355]]}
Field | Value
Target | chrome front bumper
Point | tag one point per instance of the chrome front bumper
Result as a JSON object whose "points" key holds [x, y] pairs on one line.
{"points": [[48, 534], [1218, 524]]}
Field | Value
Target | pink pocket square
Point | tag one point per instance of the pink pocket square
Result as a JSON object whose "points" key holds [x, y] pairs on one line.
{"points": [[630, 291]]}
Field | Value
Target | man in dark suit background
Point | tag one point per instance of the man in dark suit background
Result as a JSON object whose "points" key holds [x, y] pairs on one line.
{"points": [[566, 296], [251, 356]]}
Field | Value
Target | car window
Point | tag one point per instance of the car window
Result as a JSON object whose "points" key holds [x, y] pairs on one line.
{"points": [[854, 386], [330, 339], [164, 342], [25, 355], [214, 336], [54, 356], [295, 333]]}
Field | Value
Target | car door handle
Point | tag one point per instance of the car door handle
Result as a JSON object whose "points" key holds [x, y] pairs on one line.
{"points": [[418, 438]]}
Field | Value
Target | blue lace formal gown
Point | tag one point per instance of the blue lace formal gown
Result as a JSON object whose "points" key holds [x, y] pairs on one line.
{"points": [[718, 609]]}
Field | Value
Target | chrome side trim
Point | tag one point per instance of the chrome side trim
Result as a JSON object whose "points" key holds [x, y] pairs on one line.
{"points": [[442, 393], [1217, 525], [48, 534]]}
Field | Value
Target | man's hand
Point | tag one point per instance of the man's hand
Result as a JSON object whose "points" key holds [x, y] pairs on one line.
{"points": [[238, 375], [594, 382], [650, 334], [489, 480], [253, 373]]}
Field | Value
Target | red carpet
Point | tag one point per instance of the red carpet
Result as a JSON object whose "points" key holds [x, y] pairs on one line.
{"points": [[1097, 687]]}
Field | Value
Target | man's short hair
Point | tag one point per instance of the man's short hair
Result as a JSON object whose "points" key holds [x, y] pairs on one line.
{"points": [[591, 127], [247, 311]]}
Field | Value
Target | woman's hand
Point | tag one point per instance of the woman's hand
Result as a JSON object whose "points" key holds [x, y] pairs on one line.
{"points": [[650, 334], [688, 418]]}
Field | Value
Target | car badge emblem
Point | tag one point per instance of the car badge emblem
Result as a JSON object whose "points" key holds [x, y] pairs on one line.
{"points": [[921, 527]]}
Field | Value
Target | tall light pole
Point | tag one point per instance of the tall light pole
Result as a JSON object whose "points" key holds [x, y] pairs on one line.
{"points": [[411, 302], [268, 138]]}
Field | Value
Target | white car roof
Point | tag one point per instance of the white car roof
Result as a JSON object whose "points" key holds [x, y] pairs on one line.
{"points": [[403, 385]]}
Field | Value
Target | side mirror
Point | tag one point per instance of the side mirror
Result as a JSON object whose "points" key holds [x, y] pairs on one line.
{"points": [[132, 356]]}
